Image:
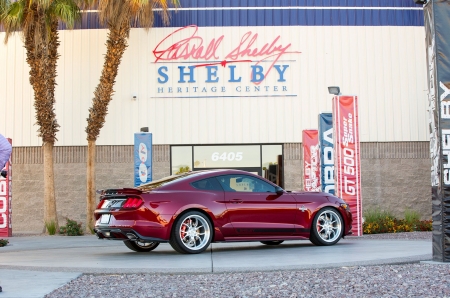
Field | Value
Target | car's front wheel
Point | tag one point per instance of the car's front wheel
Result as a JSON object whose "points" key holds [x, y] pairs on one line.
{"points": [[141, 246], [191, 233], [327, 227]]}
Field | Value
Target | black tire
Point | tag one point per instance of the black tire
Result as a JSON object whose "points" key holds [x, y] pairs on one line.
{"points": [[327, 227], [273, 242], [140, 246], [191, 233]]}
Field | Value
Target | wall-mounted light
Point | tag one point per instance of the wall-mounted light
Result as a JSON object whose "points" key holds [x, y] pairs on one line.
{"points": [[134, 97], [334, 90]]}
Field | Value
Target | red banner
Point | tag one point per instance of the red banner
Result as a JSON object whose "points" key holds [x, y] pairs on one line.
{"points": [[311, 160], [347, 156], [5, 202]]}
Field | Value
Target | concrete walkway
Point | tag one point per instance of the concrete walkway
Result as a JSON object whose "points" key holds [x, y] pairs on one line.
{"points": [[35, 266]]}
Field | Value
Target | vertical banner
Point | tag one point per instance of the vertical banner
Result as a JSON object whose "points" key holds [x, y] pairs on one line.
{"points": [[142, 158], [326, 152], [311, 168], [5, 201], [437, 37], [347, 156]]}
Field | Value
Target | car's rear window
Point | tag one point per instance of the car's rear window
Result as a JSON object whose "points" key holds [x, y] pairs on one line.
{"points": [[165, 181], [207, 184]]}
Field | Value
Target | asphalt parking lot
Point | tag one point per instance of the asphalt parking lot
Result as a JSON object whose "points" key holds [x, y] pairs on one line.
{"points": [[44, 263]]}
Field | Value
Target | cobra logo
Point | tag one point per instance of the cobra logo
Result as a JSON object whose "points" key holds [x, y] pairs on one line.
{"points": [[143, 172]]}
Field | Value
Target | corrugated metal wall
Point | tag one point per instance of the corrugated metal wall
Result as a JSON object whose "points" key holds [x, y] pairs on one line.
{"points": [[383, 65]]}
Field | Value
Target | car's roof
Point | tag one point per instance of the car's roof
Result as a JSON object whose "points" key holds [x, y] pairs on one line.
{"points": [[189, 176]]}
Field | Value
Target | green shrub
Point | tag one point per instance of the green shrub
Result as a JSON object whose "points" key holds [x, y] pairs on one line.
{"points": [[72, 228], [51, 227], [412, 217], [377, 221], [3, 242], [376, 215]]}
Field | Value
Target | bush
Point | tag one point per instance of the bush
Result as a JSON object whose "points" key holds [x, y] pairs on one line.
{"points": [[72, 228], [3, 242], [51, 227], [377, 221]]}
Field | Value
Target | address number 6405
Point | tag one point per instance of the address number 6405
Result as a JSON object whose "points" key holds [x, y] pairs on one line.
{"points": [[230, 156]]}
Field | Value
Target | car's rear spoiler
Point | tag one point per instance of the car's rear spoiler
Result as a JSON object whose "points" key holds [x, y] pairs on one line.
{"points": [[119, 191]]}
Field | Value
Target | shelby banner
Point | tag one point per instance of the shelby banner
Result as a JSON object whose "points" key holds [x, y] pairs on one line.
{"points": [[326, 152], [5, 201], [437, 22], [347, 156], [311, 168], [142, 158]]}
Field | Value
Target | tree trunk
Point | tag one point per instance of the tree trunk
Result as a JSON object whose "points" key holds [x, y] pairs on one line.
{"points": [[49, 186], [116, 45], [90, 184]]}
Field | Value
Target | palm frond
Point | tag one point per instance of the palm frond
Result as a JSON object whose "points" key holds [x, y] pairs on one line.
{"points": [[13, 18], [67, 11]]}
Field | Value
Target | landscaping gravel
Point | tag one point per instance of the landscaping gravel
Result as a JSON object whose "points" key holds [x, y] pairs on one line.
{"points": [[406, 280]]}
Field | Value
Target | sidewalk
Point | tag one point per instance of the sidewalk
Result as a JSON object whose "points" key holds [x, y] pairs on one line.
{"points": [[34, 266]]}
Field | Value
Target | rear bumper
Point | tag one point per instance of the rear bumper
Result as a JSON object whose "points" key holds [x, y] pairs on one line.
{"points": [[123, 235]]}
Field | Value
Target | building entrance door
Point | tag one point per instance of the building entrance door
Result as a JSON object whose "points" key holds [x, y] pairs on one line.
{"points": [[254, 170]]}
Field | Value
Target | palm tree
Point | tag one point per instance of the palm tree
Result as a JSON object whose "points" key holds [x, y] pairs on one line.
{"points": [[118, 16], [37, 22]]}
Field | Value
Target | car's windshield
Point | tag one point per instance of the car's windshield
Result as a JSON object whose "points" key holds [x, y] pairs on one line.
{"points": [[164, 181]]}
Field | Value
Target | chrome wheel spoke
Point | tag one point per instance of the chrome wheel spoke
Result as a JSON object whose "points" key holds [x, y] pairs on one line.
{"points": [[194, 232], [329, 226]]}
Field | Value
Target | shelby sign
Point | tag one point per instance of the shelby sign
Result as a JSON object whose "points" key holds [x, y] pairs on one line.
{"points": [[437, 21], [191, 64]]}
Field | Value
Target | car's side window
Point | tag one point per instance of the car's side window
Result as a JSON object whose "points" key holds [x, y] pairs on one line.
{"points": [[244, 183], [207, 184]]}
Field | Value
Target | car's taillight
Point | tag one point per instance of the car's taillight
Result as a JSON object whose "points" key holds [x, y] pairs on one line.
{"points": [[100, 204], [133, 203]]}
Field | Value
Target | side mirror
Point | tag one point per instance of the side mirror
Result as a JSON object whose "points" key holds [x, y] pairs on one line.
{"points": [[279, 190]]}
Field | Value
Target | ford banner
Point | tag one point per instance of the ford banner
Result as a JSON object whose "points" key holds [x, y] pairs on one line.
{"points": [[311, 164], [347, 156], [142, 158], [326, 152]]}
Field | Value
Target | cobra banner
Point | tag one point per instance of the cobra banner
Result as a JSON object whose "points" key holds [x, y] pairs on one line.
{"points": [[311, 163], [5, 201], [437, 22], [326, 152], [142, 158], [347, 156]]}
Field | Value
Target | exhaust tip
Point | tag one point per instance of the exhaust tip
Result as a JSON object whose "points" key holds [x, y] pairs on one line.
{"points": [[132, 236]]}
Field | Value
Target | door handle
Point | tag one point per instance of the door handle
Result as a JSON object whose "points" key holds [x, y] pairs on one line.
{"points": [[236, 201]]}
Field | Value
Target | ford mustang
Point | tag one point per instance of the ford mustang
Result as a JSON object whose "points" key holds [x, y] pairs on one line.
{"points": [[193, 209]]}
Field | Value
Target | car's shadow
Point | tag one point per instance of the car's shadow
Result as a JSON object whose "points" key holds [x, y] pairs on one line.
{"points": [[166, 250]]}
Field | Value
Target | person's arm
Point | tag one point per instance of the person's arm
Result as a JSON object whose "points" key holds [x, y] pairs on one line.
{"points": [[5, 151]]}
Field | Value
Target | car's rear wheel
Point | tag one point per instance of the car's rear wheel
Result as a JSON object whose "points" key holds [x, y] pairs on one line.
{"points": [[327, 227], [274, 242], [191, 233], [141, 246]]}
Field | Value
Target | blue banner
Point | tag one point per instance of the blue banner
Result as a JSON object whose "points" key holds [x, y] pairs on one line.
{"points": [[142, 158], [326, 152]]}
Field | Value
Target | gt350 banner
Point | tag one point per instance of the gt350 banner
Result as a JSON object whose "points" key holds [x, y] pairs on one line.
{"points": [[311, 164], [347, 156], [5, 202]]}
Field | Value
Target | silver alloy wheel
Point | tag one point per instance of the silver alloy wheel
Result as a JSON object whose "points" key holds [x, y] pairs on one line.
{"points": [[329, 226], [194, 232]]}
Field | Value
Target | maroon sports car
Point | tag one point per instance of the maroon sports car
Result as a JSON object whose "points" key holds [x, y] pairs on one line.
{"points": [[193, 209]]}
